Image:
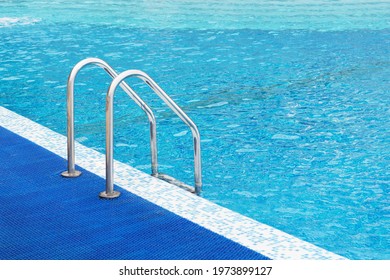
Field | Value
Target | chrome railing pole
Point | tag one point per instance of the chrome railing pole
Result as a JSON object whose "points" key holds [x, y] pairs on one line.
{"points": [[153, 146], [109, 192], [71, 171], [197, 160]]}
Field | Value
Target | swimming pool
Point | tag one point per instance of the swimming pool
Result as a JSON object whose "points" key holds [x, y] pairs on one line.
{"points": [[292, 110]]}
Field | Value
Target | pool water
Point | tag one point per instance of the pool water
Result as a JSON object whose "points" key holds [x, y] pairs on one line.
{"points": [[291, 99]]}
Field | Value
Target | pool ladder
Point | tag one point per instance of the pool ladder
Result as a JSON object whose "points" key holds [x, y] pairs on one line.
{"points": [[118, 79]]}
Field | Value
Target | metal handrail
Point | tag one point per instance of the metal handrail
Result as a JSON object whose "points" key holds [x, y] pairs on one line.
{"points": [[71, 171], [109, 192]]}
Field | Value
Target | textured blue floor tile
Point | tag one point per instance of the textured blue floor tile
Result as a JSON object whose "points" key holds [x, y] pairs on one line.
{"points": [[45, 216]]}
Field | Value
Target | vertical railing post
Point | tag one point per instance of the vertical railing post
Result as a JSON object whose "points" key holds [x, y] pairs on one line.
{"points": [[71, 172], [197, 160], [109, 192]]}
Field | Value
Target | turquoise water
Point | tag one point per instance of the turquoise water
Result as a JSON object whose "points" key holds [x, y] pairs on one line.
{"points": [[209, 14], [291, 99]]}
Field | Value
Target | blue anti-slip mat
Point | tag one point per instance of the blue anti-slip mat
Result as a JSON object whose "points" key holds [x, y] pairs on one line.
{"points": [[45, 216]]}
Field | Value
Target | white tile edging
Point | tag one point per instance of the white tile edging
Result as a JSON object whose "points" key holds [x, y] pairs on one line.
{"points": [[259, 237]]}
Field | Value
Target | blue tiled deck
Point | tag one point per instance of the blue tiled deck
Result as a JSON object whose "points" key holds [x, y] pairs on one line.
{"points": [[45, 216]]}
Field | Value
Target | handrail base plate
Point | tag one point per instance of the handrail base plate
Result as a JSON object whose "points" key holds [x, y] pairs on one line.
{"points": [[67, 174], [111, 195]]}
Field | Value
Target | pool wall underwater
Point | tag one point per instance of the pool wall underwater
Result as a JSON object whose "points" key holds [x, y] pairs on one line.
{"points": [[254, 235]]}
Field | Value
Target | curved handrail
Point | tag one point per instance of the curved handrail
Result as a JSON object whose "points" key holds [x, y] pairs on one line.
{"points": [[72, 172], [109, 128]]}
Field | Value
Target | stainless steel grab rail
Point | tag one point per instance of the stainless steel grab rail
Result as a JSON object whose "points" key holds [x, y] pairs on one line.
{"points": [[71, 171], [109, 192]]}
